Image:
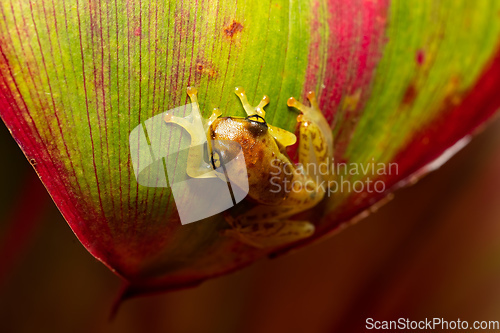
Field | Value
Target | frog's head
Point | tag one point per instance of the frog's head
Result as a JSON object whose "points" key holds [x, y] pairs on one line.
{"points": [[261, 146], [250, 135], [238, 129]]}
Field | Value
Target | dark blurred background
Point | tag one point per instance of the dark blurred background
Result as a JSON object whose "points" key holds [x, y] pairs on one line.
{"points": [[433, 251]]}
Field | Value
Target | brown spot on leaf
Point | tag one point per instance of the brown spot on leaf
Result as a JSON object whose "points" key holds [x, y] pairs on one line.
{"points": [[137, 32], [232, 29], [410, 94], [206, 68], [453, 94], [420, 57]]}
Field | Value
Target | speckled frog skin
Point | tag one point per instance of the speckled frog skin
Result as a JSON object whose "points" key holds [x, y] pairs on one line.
{"points": [[270, 171]]}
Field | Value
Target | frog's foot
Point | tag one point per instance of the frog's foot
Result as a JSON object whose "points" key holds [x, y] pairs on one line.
{"points": [[196, 126], [193, 123], [316, 141], [258, 114], [271, 233], [269, 226], [250, 110]]}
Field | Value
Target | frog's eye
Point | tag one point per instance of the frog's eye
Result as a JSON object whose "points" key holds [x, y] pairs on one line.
{"points": [[255, 118]]}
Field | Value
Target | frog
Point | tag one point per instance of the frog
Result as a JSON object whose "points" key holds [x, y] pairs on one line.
{"points": [[277, 187]]}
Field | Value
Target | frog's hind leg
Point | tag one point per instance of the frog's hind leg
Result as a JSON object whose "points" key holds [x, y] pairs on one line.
{"points": [[268, 226], [269, 234], [316, 140]]}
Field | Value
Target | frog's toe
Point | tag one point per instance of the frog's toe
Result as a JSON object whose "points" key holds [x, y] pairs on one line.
{"points": [[169, 118], [294, 103], [311, 96], [192, 91], [260, 108]]}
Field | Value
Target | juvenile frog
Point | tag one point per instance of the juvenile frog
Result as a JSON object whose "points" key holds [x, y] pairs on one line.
{"points": [[279, 187]]}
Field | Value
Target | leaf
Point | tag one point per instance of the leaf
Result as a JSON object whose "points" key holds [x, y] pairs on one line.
{"points": [[399, 83]]}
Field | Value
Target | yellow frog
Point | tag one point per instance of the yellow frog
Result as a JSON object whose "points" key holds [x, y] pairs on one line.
{"points": [[280, 188]]}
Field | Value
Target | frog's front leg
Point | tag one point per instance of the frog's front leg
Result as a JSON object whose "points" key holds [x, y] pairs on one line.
{"points": [[196, 126], [316, 140]]}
